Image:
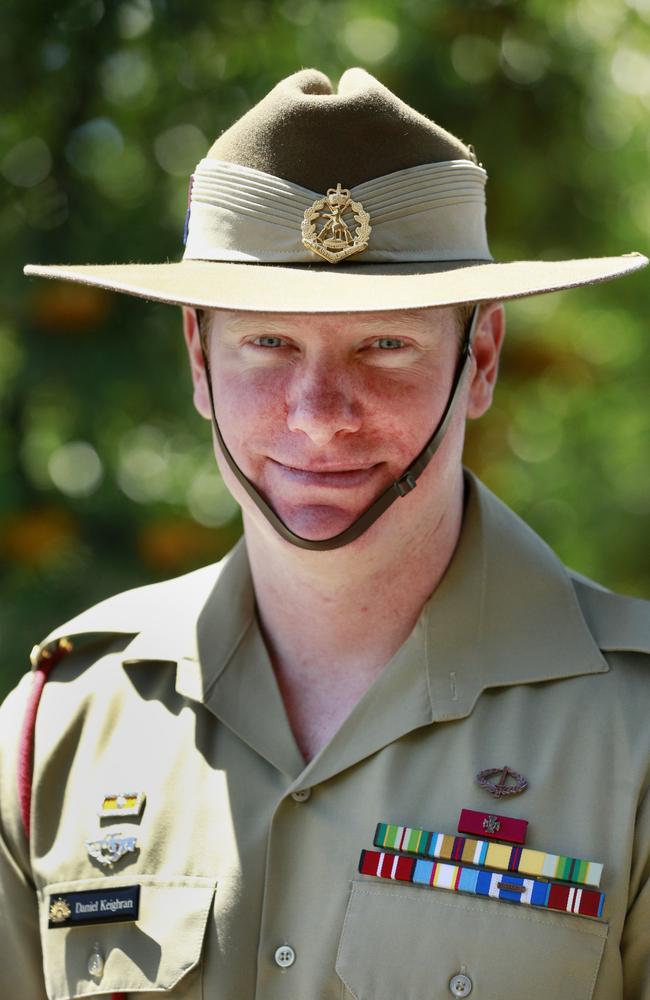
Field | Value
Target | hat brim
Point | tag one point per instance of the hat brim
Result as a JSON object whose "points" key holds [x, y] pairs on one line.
{"points": [[319, 288]]}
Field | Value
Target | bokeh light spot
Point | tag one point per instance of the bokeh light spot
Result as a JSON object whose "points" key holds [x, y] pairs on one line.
{"points": [[600, 20], [37, 537], [135, 18], [535, 434], [179, 149], [371, 39], [630, 71], [208, 499], [28, 163], [66, 307], [124, 75], [92, 144], [54, 55], [474, 58], [143, 473], [76, 469], [523, 61], [125, 178]]}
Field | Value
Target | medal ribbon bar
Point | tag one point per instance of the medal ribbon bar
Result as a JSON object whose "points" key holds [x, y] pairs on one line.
{"points": [[479, 882], [504, 857]]}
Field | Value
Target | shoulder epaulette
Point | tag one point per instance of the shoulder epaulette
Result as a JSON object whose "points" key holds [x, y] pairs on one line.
{"points": [[154, 606]]}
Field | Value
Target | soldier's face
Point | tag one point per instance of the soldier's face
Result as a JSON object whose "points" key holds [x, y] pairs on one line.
{"points": [[323, 412]]}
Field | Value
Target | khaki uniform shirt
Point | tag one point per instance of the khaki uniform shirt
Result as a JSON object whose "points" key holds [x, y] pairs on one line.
{"points": [[243, 849]]}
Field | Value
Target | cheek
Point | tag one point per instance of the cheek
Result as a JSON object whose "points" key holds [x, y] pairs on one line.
{"points": [[247, 404], [407, 413]]}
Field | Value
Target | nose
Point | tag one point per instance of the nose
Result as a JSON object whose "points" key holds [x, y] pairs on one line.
{"points": [[322, 402]]}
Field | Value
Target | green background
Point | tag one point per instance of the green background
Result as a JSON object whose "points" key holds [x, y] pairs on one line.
{"points": [[107, 477]]}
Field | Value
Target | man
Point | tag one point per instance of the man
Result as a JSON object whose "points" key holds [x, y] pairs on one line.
{"points": [[390, 747]]}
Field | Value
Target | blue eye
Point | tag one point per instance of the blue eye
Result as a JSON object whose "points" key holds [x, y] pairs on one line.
{"points": [[389, 343], [268, 342]]}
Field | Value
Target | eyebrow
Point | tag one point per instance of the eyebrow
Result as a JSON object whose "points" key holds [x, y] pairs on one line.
{"points": [[272, 323], [247, 324]]}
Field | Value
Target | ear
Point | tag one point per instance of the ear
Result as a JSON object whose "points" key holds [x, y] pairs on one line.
{"points": [[192, 338], [486, 349]]}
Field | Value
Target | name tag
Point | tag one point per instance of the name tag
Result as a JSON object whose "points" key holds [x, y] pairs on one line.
{"points": [[94, 906]]}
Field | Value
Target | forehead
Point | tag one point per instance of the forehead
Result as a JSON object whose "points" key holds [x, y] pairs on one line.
{"points": [[416, 322]]}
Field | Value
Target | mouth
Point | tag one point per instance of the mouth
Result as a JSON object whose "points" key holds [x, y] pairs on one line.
{"points": [[329, 476]]}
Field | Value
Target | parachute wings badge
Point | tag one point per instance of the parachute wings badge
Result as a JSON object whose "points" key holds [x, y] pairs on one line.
{"points": [[111, 848]]}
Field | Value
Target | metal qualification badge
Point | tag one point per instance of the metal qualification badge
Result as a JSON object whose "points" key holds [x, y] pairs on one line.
{"points": [[111, 848]]}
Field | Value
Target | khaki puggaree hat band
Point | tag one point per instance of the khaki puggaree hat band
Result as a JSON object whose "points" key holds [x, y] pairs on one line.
{"points": [[316, 201], [432, 212]]}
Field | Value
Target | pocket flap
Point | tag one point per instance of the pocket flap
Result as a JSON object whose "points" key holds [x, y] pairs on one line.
{"points": [[151, 953]]}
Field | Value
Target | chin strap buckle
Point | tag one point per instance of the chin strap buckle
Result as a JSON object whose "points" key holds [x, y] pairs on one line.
{"points": [[407, 483]]}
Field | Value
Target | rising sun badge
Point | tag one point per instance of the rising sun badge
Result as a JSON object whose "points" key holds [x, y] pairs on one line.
{"points": [[59, 911]]}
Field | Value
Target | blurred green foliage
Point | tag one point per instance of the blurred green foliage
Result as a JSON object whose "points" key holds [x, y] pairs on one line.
{"points": [[106, 472]]}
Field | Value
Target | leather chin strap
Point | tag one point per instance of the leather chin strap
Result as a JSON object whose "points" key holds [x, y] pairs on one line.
{"points": [[400, 488]]}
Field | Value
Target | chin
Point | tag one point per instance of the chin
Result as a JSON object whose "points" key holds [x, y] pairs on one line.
{"points": [[317, 522]]}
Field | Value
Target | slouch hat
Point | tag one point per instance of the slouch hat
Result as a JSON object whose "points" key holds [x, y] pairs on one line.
{"points": [[319, 200]]}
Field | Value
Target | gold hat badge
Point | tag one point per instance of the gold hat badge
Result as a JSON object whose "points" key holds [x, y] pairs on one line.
{"points": [[334, 241]]}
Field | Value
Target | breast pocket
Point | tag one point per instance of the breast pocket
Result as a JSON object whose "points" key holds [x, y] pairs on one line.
{"points": [[159, 950], [419, 944]]}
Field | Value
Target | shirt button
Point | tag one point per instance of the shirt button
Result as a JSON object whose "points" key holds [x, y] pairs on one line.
{"points": [[460, 985], [302, 795], [96, 964], [284, 956]]}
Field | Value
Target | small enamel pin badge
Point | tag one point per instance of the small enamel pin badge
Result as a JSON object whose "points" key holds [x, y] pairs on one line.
{"points": [[483, 824], [509, 782], [111, 848], [122, 804]]}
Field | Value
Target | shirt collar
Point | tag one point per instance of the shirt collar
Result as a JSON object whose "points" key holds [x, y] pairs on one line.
{"points": [[505, 612]]}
